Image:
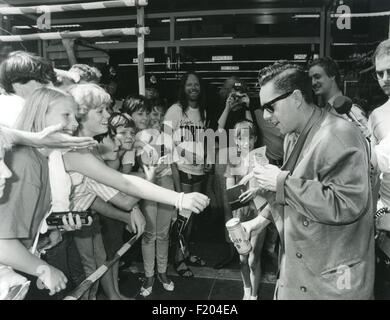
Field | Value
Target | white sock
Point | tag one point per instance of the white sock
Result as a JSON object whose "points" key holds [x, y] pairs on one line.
{"points": [[253, 298], [247, 293]]}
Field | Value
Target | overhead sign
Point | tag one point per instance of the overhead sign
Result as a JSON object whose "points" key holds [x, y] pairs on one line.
{"points": [[146, 60], [230, 68], [222, 58], [300, 56]]}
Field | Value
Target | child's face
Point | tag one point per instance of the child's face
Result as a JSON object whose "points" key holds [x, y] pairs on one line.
{"points": [[141, 119], [156, 118], [5, 173], [109, 148], [62, 111], [96, 121], [245, 141], [126, 136]]}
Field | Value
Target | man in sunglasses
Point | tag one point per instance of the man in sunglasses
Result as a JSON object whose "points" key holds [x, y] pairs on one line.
{"points": [[320, 200], [379, 120]]}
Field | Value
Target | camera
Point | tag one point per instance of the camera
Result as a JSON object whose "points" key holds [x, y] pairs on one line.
{"points": [[239, 87], [55, 218]]}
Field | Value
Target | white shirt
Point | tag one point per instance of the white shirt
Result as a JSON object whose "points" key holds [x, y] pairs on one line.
{"points": [[378, 124], [187, 133]]}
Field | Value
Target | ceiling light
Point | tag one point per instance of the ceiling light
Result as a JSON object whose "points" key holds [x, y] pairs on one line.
{"points": [[211, 38], [106, 42], [306, 16], [182, 20]]}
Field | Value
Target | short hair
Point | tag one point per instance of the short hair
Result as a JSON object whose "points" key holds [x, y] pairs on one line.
{"points": [[88, 96], [382, 50], [118, 119], [99, 137], [32, 117], [22, 67], [330, 67], [134, 103], [287, 77], [87, 73], [245, 124]]}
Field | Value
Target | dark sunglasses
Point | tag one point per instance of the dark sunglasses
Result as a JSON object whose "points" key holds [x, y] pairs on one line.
{"points": [[269, 105], [380, 75]]}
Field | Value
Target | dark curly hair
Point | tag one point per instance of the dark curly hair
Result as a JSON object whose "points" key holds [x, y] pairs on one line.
{"points": [[22, 67], [133, 103]]}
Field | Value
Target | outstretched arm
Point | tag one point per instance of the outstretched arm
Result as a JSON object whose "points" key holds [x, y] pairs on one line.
{"points": [[88, 165], [50, 137], [69, 48]]}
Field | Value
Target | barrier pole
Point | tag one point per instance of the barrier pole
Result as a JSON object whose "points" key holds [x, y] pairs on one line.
{"points": [[77, 34], [141, 51], [73, 7], [88, 282]]}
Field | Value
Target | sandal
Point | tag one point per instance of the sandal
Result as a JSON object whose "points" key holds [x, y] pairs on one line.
{"points": [[194, 260], [170, 286], [145, 292], [185, 272]]}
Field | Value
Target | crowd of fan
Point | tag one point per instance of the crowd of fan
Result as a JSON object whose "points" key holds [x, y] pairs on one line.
{"points": [[116, 166]]}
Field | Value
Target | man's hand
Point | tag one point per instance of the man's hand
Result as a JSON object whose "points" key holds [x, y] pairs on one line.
{"points": [[137, 221], [9, 279], [254, 226], [248, 195], [266, 176]]}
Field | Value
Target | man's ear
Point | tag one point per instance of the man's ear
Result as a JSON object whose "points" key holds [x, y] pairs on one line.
{"points": [[298, 98]]}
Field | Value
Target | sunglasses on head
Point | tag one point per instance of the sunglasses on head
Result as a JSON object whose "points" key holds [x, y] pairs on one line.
{"points": [[269, 105]]}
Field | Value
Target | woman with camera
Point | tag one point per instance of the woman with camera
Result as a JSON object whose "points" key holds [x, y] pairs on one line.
{"points": [[236, 102]]}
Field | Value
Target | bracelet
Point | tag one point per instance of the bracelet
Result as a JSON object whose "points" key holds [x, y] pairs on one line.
{"points": [[179, 201]]}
